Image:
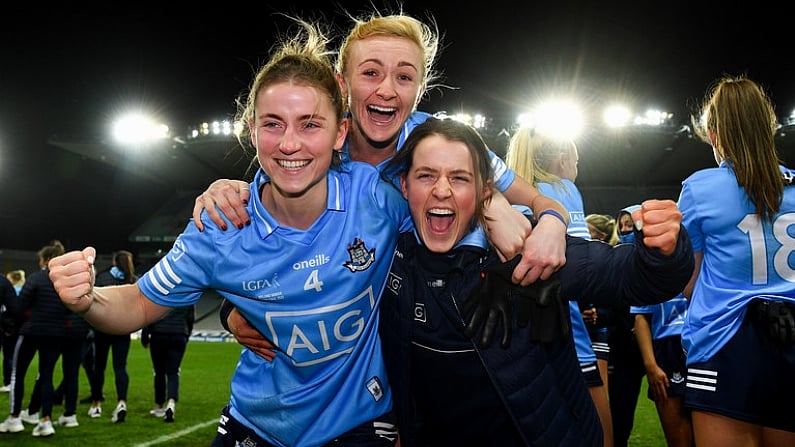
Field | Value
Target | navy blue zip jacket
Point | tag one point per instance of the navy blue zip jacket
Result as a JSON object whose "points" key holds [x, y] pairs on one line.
{"points": [[528, 394]]}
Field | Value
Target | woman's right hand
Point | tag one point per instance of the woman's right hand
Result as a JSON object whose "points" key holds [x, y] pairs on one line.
{"points": [[227, 196], [248, 336]]}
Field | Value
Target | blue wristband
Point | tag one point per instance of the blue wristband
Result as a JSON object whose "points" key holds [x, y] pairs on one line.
{"points": [[552, 212]]}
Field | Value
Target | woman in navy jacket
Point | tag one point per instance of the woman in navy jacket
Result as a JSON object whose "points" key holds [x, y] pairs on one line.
{"points": [[450, 390]]}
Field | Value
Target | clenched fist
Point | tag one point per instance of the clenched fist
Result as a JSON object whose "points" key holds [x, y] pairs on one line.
{"points": [[72, 274]]}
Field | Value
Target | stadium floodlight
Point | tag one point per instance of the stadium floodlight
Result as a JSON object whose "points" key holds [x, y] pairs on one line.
{"points": [[560, 118], [478, 121], [654, 117], [137, 128], [616, 115], [217, 128]]}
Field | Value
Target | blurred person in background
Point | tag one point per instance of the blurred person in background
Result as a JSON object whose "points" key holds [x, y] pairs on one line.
{"points": [[122, 271], [167, 340], [9, 326], [550, 164], [41, 332], [10, 286], [598, 319], [625, 366], [658, 330]]}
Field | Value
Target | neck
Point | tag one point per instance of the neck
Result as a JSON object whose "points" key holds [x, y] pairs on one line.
{"points": [[298, 211], [364, 150]]}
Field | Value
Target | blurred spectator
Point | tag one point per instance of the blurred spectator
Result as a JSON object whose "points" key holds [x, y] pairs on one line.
{"points": [[41, 331], [625, 370], [9, 326], [602, 227], [658, 330], [121, 272], [551, 165], [167, 340]]}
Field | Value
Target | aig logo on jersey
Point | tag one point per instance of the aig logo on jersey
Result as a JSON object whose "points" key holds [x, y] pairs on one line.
{"points": [[361, 259], [324, 333]]}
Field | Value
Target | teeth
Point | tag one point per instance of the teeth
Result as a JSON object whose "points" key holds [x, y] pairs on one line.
{"points": [[383, 109], [440, 211], [292, 164]]}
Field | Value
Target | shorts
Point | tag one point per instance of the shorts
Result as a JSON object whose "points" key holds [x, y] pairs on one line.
{"points": [[750, 379], [381, 432], [590, 372], [670, 357], [599, 342]]}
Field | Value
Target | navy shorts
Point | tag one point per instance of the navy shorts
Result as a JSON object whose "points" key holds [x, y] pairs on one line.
{"points": [[670, 357], [590, 371], [751, 379], [601, 347], [381, 432]]}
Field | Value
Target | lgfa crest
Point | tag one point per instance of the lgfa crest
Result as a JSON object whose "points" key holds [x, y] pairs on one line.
{"points": [[361, 259]]}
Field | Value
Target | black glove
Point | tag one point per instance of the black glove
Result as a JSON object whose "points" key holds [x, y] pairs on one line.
{"points": [[226, 308], [491, 304], [542, 306], [778, 317], [145, 339]]}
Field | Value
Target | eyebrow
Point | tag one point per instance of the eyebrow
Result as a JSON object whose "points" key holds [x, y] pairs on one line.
{"points": [[379, 62]]}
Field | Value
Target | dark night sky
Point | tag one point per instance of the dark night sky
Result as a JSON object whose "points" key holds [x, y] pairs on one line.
{"points": [[66, 71]]}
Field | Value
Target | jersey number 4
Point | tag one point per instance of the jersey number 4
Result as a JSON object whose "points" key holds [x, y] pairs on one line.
{"points": [[313, 282]]}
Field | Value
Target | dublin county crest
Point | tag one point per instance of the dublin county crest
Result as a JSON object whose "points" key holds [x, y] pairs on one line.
{"points": [[361, 259]]}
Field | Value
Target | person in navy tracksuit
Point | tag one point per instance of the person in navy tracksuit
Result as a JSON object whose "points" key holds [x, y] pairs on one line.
{"points": [[448, 389]]}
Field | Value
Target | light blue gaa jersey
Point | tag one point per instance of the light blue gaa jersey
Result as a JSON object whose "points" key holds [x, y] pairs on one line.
{"points": [[744, 256], [667, 318], [569, 196], [314, 293]]}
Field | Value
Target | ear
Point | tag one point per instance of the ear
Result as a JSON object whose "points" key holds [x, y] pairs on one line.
{"points": [[342, 133], [252, 133], [713, 139], [403, 186], [343, 87], [487, 188]]}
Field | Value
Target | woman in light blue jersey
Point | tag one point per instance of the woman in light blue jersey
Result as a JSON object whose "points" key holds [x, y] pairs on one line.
{"points": [[550, 164], [309, 271], [658, 331], [740, 330]]}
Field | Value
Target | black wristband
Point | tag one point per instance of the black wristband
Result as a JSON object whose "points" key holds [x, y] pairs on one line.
{"points": [[223, 314]]}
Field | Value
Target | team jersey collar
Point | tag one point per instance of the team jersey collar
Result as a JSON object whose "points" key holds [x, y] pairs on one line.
{"points": [[265, 222], [475, 238]]}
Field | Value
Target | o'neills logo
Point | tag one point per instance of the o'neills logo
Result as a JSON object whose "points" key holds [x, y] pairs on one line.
{"points": [[317, 261]]}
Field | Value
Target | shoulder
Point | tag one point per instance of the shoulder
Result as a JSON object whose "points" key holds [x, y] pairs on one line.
{"points": [[355, 167], [710, 176], [416, 118]]}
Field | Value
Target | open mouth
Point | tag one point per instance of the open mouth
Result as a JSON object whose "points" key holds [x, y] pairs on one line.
{"points": [[440, 220], [382, 115]]}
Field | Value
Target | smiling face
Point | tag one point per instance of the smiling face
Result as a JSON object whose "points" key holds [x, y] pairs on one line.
{"points": [[294, 130], [441, 188], [383, 79]]}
